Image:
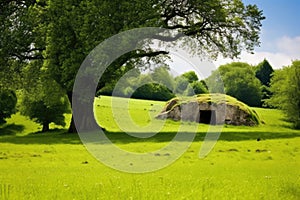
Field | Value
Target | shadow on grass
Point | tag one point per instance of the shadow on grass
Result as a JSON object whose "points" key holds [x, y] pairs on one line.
{"points": [[55, 136], [122, 138], [11, 129], [60, 136]]}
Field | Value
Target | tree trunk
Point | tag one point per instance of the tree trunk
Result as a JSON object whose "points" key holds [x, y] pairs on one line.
{"points": [[88, 122], [72, 128], [45, 127]]}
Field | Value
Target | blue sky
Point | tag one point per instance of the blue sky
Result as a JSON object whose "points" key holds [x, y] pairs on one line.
{"points": [[280, 36], [280, 39], [282, 20]]}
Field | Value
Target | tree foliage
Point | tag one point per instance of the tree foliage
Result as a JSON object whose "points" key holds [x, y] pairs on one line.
{"points": [[191, 76], [239, 81], [199, 87], [264, 72], [188, 84], [8, 101], [162, 76], [285, 86], [156, 85], [42, 99], [181, 84], [153, 91]]}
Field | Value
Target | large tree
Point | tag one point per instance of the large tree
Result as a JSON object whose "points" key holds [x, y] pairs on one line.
{"points": [[69, 30], [285, 86]]}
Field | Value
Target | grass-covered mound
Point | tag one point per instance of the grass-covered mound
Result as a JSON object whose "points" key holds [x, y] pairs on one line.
{"points": [[210, 108]]}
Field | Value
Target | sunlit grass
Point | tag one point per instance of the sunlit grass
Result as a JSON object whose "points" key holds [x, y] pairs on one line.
{"points": [[56, 165]]}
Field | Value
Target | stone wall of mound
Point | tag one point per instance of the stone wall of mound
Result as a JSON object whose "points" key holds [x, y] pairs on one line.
{"points": [[208, 112]]}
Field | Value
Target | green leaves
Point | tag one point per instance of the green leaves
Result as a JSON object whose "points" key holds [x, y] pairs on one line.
{"points": [[285, 86], [42, 99], [264, 72], [238, 80], [8, 101]]}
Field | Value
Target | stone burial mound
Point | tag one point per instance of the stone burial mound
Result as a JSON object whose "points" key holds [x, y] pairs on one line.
{"points": [[210, 109]]}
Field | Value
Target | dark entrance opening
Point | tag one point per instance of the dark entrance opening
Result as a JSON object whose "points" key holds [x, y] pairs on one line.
{"points": [[207, 117]]}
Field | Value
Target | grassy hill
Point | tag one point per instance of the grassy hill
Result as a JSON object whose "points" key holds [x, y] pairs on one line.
{"points": [[260, 162]]}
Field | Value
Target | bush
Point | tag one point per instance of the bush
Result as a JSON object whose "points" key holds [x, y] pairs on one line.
{"points": [[153, 91]]}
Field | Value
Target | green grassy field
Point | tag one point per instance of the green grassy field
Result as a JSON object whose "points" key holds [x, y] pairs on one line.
{"points": [[56, 165]]}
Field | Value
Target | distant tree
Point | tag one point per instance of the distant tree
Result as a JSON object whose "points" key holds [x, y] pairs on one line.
{"points": [[264, 72], [243, 85], [181, 84], [239, 81], [265, 95], [191, 76], [153, 91], [285, 86], [144, 78], [196, 87], [8, 101], [215, 82], [45, 107], [129, 79], [42, 100], [162, 76], [156, 85], [204, 84], [189, 84], [199, 87]]}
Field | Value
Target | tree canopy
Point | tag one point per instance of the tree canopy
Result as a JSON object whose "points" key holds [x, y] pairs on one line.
{"points": [[42, 99], [264, 72], [238, 80], [8, 101], [285, 86], [191, 76]]}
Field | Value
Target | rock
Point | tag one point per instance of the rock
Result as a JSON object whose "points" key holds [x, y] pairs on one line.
{"points": [[210, 109]]}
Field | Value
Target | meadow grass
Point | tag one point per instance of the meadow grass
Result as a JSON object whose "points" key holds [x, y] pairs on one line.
{"points": [[56, 165]]}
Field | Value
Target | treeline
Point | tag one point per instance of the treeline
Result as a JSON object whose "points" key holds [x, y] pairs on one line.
{"points": [[158, 84], [249, 84], [261, 86]]}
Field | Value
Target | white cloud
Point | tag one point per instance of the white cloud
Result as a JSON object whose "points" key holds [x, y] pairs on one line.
{"points": [[289, 45], [286, 49]]}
